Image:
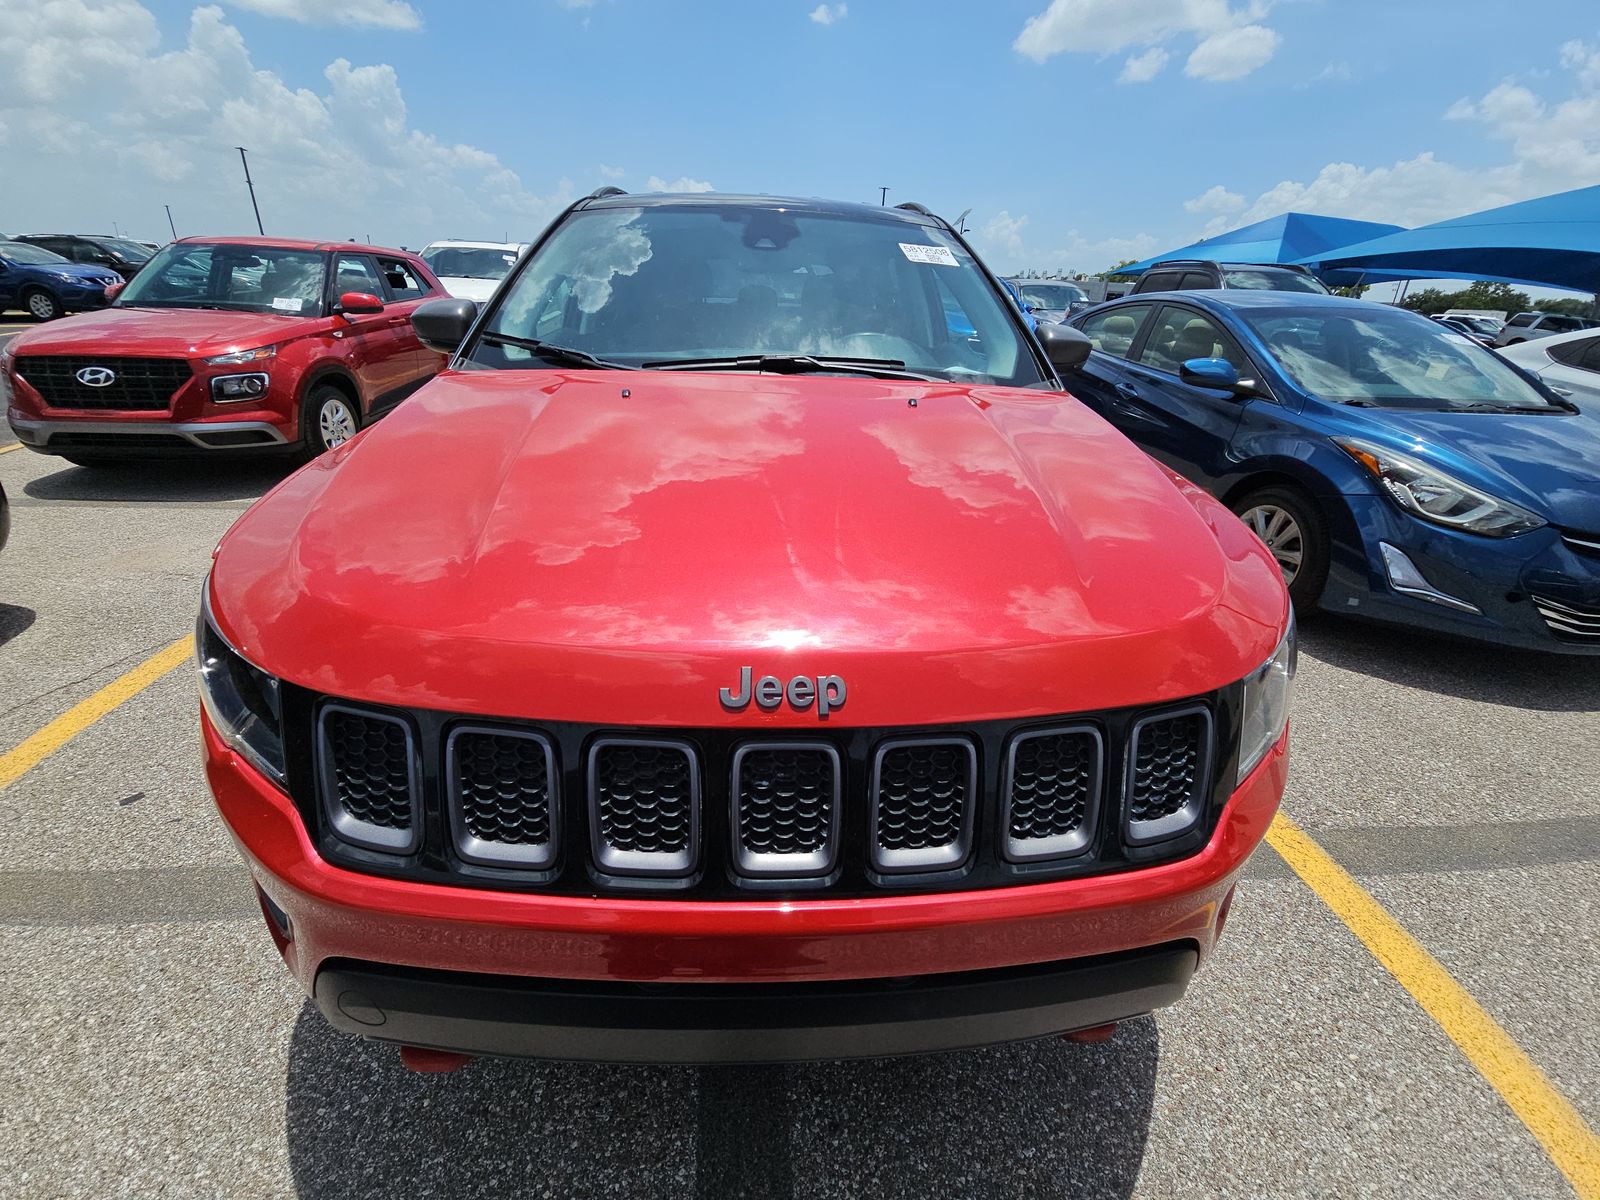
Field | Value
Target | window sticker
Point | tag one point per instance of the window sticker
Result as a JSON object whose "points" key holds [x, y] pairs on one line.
{"points": [[288, 303], [939, 255]]}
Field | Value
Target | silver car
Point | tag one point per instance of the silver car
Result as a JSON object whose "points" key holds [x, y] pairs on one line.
{"points": [[1568, 363], [1525, 327]]}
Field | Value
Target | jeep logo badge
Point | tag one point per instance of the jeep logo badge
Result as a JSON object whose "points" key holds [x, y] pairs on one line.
{"points": [[827, 692]]}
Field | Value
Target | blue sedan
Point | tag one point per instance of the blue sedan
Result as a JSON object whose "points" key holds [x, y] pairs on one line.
{"points": [[1395, 469], [47, 285]]}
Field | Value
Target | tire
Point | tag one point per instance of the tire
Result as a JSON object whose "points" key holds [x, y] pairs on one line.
{"points": [[328, 418], [1294, 528], [41, 304]]}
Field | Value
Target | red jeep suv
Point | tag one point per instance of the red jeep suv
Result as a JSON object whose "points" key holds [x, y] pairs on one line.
{"points": [[226, 345], [757, 669]]}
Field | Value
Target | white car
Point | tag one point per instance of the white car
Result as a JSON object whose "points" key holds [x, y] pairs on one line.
{"points": [[1568, 363], [1531, 326], [472, 270]]}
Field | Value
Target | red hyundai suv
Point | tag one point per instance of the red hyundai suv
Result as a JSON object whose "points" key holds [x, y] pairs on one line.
{"points": [[759, 670], [226, 345]]}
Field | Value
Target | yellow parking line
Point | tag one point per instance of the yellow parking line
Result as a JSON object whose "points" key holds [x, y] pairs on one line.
{"points": [[9, 447], [80, 716], [1547, 1114]]}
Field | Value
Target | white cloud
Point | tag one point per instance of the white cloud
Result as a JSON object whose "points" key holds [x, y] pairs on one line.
{"points": [[374, 14], [1005, 248], [828, 14], [94, 90], [1216, 199], [611, 172], [1142, 68], [1005, 231], [682, 184], [1232, 54], [1231, 42]]}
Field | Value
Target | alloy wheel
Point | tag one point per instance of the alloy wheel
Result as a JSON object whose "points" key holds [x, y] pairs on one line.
{"points": [[42, 306], [1278, 529], [336, 422]]}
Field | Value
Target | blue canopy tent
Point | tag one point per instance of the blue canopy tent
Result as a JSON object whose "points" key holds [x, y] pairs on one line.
{"points": [[1286, 238], [1553, 241]]}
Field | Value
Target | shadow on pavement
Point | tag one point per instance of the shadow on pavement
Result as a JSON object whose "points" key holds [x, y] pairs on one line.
{"points": [[1454, 667], [158, 481], [14, 620], [1047, 1119]]}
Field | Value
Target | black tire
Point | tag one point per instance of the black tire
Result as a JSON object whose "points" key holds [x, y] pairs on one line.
{"points": [[1310, 576], [41, 304], [316, 434]]}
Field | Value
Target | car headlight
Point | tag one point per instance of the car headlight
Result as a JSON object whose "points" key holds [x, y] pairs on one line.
{"points": [[1429, 493], [230, 389], [1267, 692], [65, 277], [242, 700], [235, 357]]}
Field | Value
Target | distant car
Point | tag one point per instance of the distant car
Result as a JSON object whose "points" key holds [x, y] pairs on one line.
{"points": [[472, 270], [1569, 363], [122, 255], [1184, 274], [46, 286], [1395, 470], [1465, 329], [1525, 327], [1051, 300], [226, 346]]}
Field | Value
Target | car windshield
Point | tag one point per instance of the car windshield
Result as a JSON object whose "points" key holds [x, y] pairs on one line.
{"points": [[1051, 296], [237, 278], [668, 283], [132, 251], [21, 252], [1390, 359], [1268, 279], [469, 262]]}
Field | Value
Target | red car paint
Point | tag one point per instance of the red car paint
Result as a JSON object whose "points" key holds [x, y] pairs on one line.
{"points": [[375, 356]]}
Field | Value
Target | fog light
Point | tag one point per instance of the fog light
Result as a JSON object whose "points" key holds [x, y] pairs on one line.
{"points": [[230, 389], [1408, 580]]}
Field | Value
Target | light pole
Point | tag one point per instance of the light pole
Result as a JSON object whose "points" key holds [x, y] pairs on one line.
{"points": [[170, 225], [252, 188], [883, 196]]}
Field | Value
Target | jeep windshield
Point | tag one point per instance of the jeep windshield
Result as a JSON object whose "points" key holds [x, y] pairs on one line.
{"points": [[744, 287], [260, 279]]}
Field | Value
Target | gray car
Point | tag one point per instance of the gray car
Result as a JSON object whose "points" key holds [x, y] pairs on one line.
{"points": [[1525, 327], [1051, 300]]}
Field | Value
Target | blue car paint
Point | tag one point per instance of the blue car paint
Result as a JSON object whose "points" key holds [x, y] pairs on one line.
{"points": [[959, 324], [1548, 463], [75, 286]]}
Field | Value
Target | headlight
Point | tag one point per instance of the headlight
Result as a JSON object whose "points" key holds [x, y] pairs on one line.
{"points": [[64, 277], [242, 700], [234, 358], [1266, 703], [1434, 496], [229, 389]]}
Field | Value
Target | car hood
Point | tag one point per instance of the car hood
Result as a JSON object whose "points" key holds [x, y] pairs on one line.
{"points": [[185, 332], [1548, 463], [614, 547], [77, 270], [465, 288]]}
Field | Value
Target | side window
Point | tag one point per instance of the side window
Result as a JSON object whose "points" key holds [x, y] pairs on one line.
{"points": [[1114, 332], [401, 280], [1196, 279], [1591, 355], [1180, 334], [61, 246], [1522, 319], [1161, 281], [354, 273], [1573, 353]]}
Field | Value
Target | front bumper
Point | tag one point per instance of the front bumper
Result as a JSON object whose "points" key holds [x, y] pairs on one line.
{"points": [[390, 935], [145, 438]]}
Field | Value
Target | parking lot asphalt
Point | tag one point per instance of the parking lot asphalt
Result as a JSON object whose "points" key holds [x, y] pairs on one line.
{"points": [[154, 1046]]}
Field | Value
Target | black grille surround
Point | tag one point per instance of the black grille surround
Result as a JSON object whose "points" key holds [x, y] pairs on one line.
{"points": [[140, 384], [576, 869]]}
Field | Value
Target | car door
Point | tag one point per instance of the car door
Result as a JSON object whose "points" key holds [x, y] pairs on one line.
{"points": [[404, 289], [8, 285], [1100, 382], [1187, 427], [381, 354]]}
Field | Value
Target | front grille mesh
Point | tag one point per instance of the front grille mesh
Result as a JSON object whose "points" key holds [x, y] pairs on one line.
{"points": [[502, 784], [1169, 755], [922, 801], [141, 384], [1570, 622], [644, 794], [1054, 785], [370, 767], [785, 800]]}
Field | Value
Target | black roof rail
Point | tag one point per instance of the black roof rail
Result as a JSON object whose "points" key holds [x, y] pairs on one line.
{"points": [[913, 206], [600, 193]]}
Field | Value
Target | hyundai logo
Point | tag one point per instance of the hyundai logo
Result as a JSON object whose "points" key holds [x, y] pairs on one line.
{"points": [[97, 377]]}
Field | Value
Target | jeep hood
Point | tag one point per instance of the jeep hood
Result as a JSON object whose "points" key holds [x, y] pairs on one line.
{"points": [[159, 332], [613, 546]]}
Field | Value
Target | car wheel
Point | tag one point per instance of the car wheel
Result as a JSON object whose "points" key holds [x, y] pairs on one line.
{"points": [[41, 304], [328, 418], [1292, 526]]}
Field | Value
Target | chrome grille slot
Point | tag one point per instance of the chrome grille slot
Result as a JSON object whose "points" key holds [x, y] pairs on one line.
{"points": [[368, 776], [501, 791], [139, 384], [1569, 622], [785, 798], [644, 806], [1169, 772], [1052, 792], [923, 791]]}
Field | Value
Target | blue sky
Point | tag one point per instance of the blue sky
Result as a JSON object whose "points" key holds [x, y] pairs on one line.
{"points": [[1079, 132]]}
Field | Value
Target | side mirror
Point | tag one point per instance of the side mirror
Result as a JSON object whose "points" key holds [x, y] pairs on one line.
{"points": [[442, 324], [356, 304], [1216, 373], [1064, 346], [113, 290]]}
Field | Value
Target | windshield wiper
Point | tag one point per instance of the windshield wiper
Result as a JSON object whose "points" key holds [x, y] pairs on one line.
{"points": [[1480, 406], [565, 355], [795, 364]]}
